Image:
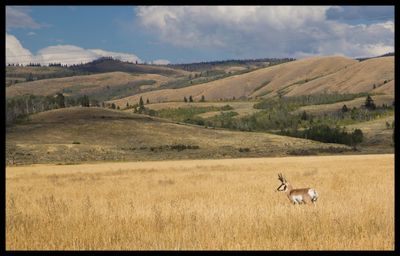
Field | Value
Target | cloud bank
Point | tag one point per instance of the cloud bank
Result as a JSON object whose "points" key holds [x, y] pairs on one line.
{"points": [[273, 31], [65, 54]]}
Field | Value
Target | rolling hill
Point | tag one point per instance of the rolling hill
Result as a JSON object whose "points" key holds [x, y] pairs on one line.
{"points": [[102, 86], [103, 65], [78, 134], [301, 77], [360, 77]]}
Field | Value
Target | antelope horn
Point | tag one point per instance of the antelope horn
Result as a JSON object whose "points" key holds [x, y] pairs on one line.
{"points": [[281, 178]]}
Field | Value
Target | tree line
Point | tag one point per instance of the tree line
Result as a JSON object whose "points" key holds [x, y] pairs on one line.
{"points": [[18, 108]]}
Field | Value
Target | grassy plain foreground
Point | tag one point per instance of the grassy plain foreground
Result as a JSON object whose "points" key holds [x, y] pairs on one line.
{"points": [[202, 204]]}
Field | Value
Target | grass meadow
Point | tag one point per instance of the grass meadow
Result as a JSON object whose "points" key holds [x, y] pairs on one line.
{"points": [[202, 204]]}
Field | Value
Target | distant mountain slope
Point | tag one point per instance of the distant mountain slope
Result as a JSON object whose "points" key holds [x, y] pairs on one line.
{"points": [[103, 86], [301, 77], [262, 82], [111, 65]]}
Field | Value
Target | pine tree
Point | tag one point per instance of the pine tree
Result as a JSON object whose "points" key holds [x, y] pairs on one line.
{"points": [[344, 108], [141, 104], [147, 101], [202, 98], [369, 103], [190, 98], [304, 115], [184, 98], [60, 100], [356, 137]]}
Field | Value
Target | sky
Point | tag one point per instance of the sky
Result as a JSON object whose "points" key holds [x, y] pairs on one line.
{"points": [[186, 34]]}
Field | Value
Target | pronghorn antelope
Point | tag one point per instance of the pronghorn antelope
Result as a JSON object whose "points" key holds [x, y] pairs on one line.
{"points": [[297, 196]]}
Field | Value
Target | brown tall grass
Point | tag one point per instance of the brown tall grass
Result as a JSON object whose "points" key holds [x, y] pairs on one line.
{"points": [[202, 204]]}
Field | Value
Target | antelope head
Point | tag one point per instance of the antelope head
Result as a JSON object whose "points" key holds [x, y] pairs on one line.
{"points": [[283, 181]]}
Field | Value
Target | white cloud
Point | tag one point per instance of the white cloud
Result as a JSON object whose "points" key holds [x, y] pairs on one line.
{"points": [[18, 17], [31, 33], [15, 52], [264, 31], [65, 54], [160, 62]]}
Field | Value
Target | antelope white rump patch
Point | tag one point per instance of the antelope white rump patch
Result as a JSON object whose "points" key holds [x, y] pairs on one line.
{"points": [[312, 193]]}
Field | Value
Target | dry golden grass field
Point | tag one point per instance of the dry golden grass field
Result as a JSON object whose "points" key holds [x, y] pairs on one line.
{"points": [[202, 204]]}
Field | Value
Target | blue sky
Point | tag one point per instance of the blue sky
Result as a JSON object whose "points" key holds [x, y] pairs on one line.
{"points": [[180, 34]]}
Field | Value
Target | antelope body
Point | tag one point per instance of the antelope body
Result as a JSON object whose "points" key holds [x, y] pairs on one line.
{"points": [[297, 196]]}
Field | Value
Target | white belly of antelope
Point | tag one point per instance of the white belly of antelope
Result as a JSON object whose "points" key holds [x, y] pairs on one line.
{"points": [[297, 199]]}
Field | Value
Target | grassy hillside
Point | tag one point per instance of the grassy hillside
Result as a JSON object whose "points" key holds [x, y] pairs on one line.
{"points": [[255, 83], [95, 134], [378, 136], [110, 65], [364, 76], [301, 77], [19, 74], [18, 71], [334, 107], [102, 86]]}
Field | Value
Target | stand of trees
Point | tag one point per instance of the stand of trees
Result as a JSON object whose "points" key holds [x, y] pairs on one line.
{"points": [[20, 107], [327, 134]]}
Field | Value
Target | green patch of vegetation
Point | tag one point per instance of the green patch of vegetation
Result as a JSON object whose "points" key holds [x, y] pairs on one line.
{"points": [[226, 107], [223, 120], [176, 147], [313, 151], [327, 134], [314, 99], [184, 114]]}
